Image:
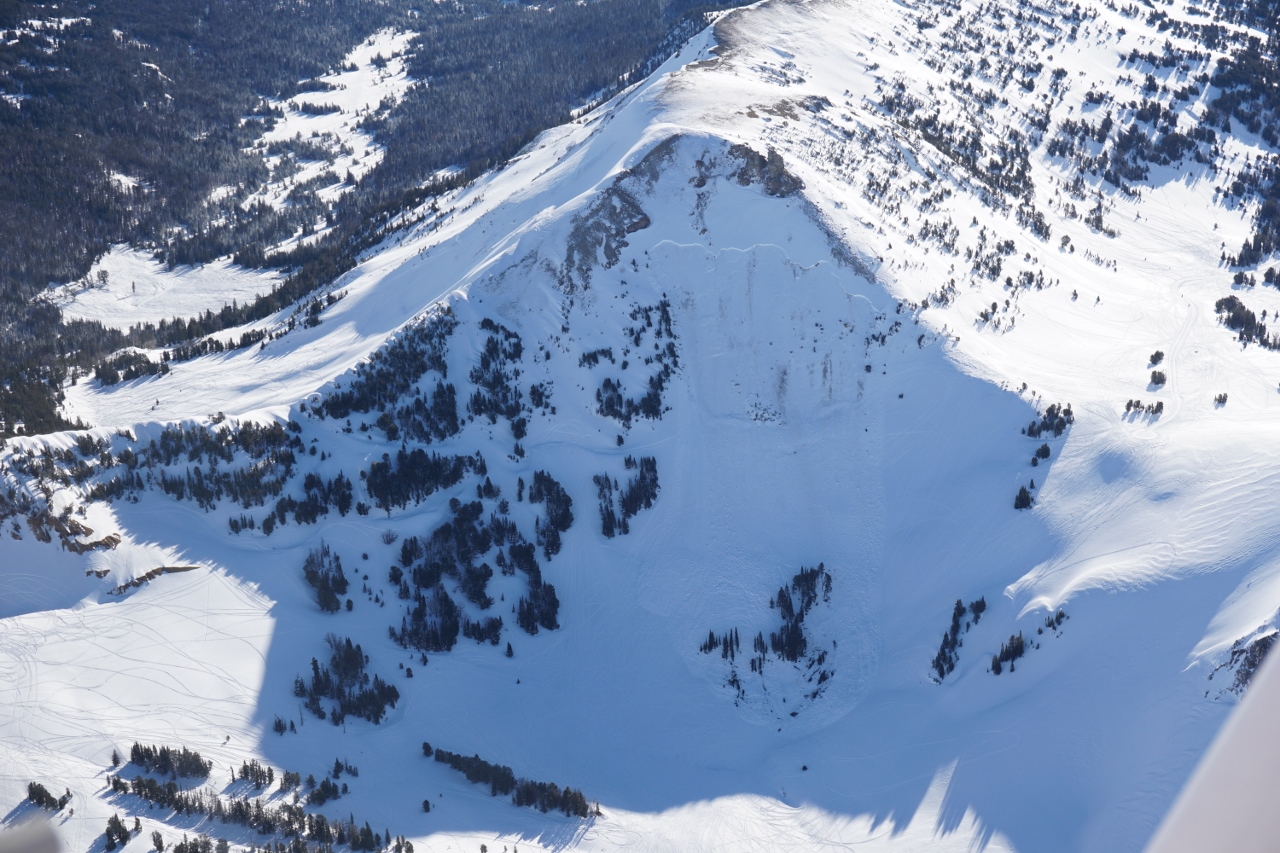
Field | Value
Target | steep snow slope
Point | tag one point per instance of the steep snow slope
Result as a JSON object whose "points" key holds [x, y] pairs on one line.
{"points": [[797, 340]]}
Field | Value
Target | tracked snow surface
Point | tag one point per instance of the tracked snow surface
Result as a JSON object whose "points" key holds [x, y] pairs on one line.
{"points": [[675, 464]]}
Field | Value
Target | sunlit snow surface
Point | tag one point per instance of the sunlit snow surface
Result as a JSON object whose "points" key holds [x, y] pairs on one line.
{"points": [[1158, 536], [140, 289]]}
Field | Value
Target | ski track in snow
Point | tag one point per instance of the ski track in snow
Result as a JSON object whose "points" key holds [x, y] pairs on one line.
{"points": [[780, 449]]}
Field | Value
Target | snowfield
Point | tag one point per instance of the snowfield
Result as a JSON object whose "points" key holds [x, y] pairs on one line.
{"points": [[139, 289], [841, 381]]}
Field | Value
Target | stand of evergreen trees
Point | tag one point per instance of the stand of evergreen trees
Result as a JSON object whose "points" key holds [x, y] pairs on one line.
{"points": [[544, 796], [559, 518], [127, 367], [611, 399], [1009, 652], [456, 549], [1056, 419], [945, 660], [168, 761], [117, 834], [794, 602], [40, 796], [497, 393], [640, 493], [415, 475], [269, 457], [253, 772], [1239, 319], [283, 819], [345, 682], [323, 571], [394, 369]]}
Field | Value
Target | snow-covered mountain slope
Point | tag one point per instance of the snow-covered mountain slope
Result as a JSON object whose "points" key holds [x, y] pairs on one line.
{"points": [[792, 350]]}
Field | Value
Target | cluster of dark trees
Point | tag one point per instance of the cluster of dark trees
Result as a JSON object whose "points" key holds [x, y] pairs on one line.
{"points": [[559, 516], [1056, 419], [944, 662], [285, 819], [1137, 407], [486, 630], [965, 146], [605, 487], [422, 420], [415, 475], [793, 601], [433, 619], [117, 834], [497, 393], [611, 399], [270, 460], [592, 358], [168, 761], [538, 609], [40, 796], [128, 366], [1042, 452], [1024, 499], [254, 773], [1125, 153], [1009, 652], [318, 494], [324, 791], [199, 844], [323, 571], [728, 643], [394, 370], [641, 490], [431, 624], [1248, 328], [452, 549], [640, 493], [544, 796], [345, 682]]}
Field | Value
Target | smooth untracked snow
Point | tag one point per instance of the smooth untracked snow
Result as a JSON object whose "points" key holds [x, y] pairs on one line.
{"points": [[137, 288], [815, 416]]}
